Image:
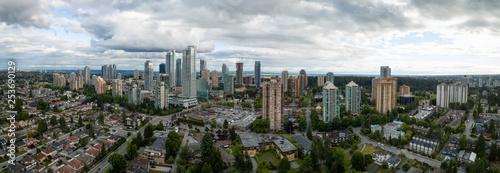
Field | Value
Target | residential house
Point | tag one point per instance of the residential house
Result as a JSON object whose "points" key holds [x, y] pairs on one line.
{"points": [[159, 144], [375, 127], [138, 165], [76, 164], [466, 157], [16, 168], [49, 151], [28, 162], [31, 141], [48, 134], [380, 156], [86, 159], [72, 140], [414, 170], [393, 162], [114, 138], [304, 143], [21, 146], [449, 153], [154, 156], [40, 168], [58, 146], [65, 169], [391, 130], [422, 144], [40, 157], [92, 152], [65, 143], [254, 144]]}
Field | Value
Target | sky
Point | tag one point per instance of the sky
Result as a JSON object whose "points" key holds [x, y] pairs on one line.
{"points": [[413, 37]]}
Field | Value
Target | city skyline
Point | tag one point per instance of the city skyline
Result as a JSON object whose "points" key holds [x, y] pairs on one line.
{"points": [[412, 37]]}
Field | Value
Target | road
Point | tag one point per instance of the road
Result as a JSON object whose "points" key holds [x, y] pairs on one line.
{"points": [[308, 113], [33, 151], [469, 123], [104, 164]]}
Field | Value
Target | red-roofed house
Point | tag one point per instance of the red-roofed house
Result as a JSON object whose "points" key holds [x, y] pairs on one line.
{"points": [[30, 141], [98, 146], [65, 169], [76, 164], [92, 152], [73, 140]]}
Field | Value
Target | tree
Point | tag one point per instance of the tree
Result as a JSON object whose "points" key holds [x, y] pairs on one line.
{"points": [[101, 118], [160, 126], [232, 133], [309, 133], [385, 165], [358, 161], [71, 120], [131, 151], [83, 142], [91, 131], [462, 143], [42, 127], [302, 123], [53, 120], [148, 131], [261, 125], [80, 121], [213, 125], [226, 124], [210, 155], [124, 116], [284, 165], [481, 146], [62, 123], [493, 152], [118, 162]]}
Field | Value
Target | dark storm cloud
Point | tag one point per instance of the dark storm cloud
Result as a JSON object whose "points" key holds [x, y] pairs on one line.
{"points": [[25, 12]]}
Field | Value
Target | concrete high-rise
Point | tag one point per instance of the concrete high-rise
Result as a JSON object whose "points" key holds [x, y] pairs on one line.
{"points": [[116, 87], [480, 83], [203, 65], [86, 75], [161, 96], [136, 74], [225, 71], [119, 76], [257, 74], [293, 87], [170, 59], [163, 68], [134, 94], [100, 85], [239, 73], [321, 80], [228, 84], [330, 78], [215, 79], [94, 77], [178, 72], [303, 79], [189, 72], [162, 78], [385, 71], [79, 72], [273, 103], [352, 98], [331, 102], [148, 75], [404, 90], [284, 79], [108, 72], [465, 81], [205, 74], [451, 93], [386, 94]]}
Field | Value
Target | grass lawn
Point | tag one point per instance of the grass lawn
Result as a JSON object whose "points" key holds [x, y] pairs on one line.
{"points": [[299, 161], [235, 149], [268, 156], [227, 150], [369, 149], [380, 170], [411, 162], [371, 165]]}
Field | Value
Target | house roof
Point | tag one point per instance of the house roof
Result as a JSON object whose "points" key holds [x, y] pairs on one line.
{"points": [[48, 150], [27, 159], [303, 142], [76, 164], [284, 145], [159, 143], [65, 169], [73, 138], [39, 156], [393, 160], [381, 153], [92, 151]]}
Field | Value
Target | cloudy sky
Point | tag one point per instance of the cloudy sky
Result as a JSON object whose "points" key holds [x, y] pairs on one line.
{"points": [[345, 37]]}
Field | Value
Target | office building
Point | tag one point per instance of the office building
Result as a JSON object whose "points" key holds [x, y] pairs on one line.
{"points": [[116, 87], [386, 94], [331, 102], [225, 71], [136, 74], [284, 79], [272, 104], [330, 77], [385, 71], [161, 96], [239, 73], [404, 90], [178, 72], [451, 93], [162, 68], [321, 80], [215, 79], [228, 84], [100, 85], [148, 75], [303, 79], [134, 94], [170, 59], [189, 72], [86, 75], [257, 74], [203, 65], [352, 98]]}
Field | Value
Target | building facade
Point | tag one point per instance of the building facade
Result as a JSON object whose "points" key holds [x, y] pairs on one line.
{"points": [[303, 79], [203, 65], [161, 96], [321, 80], [116, 87], [189, 72], [284, 79], [239, 73], [385, 71], [386, 94], [272, 103], [257, 74], [451, 93], [228, 84], [162, 68], [330, 77], [178, 72], [170, 61], [404, 90], [136, 74], [215, 79], [86, 75], [148, 76], [331, 102], [352, 98]]}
